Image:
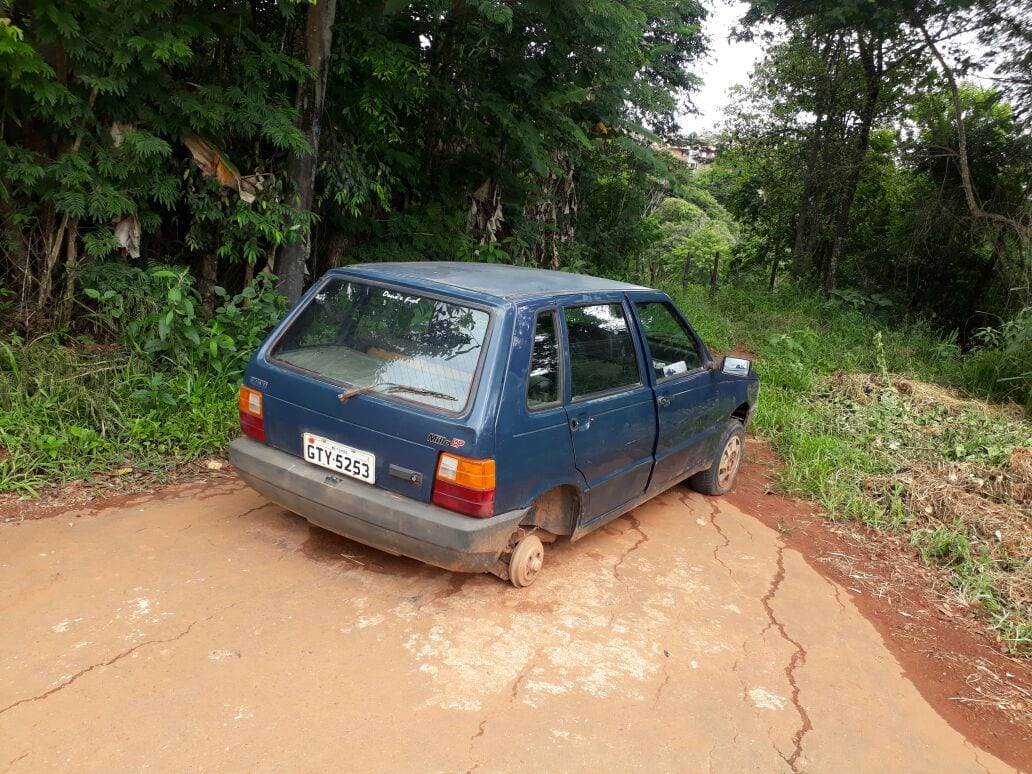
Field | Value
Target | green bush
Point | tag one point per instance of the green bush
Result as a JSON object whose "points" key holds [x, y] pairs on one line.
{"points": [[163, 317], [161, 394], [1001, 367]]}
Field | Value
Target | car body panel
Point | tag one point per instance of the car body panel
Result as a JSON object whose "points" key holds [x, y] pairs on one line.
{"points": [[613, 432], [686, 407], [537, 442]]}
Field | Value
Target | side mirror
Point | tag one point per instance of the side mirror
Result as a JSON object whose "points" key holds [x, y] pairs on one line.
{"points": [[736, 366]]}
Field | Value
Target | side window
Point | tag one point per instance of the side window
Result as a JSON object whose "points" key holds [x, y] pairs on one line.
{"points": [[601, 351], [674, 349], [543, 382]]}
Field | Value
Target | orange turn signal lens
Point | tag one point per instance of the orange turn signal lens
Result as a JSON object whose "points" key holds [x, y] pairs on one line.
{"points": [[250, 402], [478, 475]]}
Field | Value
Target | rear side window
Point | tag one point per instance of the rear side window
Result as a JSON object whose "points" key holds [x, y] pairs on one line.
{"points": [[674, 349], [543, 381], [602, 354], [420, 349]]}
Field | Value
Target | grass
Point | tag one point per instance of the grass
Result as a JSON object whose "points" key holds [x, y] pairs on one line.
{"points": [[160, 394], [69, 412], [863, 449]]}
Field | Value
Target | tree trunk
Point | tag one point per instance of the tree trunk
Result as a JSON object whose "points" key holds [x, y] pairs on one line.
{"points": [[301, 167], [799, 258], [873, 64], [714, 271], [974, 206], [554, 212], [774, 265], [54, 250], [336, 249], [50, 263], [71, 269], [206, 286], [17, 250], [802, 256]]}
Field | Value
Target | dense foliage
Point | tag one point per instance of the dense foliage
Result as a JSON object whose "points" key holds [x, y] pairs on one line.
{"points": [[160, 393], [161, 131], [104, 106], [861, 163]]}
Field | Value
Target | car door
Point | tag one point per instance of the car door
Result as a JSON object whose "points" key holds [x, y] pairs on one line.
{"points": [[684, 388], [609, 404]]}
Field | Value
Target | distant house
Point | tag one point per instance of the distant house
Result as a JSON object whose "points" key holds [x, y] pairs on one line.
{"points": [[697, 156]]}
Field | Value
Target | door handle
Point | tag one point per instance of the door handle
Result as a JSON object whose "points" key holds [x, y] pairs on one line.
{"points": [[580, 422], [663, 401]]}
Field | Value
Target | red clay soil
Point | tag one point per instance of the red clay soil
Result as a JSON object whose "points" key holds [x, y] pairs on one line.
{"points": [[945, 650], [953, 658], [104, 491]]}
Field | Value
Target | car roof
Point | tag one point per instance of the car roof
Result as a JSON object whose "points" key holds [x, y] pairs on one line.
{"points": [[499, 281]]}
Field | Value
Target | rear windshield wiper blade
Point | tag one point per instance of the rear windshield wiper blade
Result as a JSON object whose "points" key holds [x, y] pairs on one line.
{"points": [[393, 387], [420, 391]]}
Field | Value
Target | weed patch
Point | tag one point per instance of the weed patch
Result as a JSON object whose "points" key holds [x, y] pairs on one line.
{"points": [[68, 412], [159, 393]]}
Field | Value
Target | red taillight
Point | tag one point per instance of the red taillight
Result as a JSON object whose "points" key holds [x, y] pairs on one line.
{"points": [[465, 485], [467, 501], [252, 421]]}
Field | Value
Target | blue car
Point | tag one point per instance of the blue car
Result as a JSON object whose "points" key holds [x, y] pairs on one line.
{"points": [[466, 414]]}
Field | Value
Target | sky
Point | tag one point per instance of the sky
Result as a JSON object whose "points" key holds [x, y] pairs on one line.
{"points": [[728, 64]]}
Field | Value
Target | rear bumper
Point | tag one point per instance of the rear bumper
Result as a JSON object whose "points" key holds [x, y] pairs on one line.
{"points": [[375, 517]]}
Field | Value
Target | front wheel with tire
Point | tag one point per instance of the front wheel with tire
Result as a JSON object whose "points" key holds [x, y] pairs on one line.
{"points": [[526, 560], [719, 477]]}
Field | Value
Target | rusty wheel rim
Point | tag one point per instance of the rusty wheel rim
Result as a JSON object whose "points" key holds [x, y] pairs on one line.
{"points": [[730, 459]]}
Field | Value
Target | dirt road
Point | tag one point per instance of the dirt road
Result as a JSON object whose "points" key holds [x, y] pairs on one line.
{"points": [[203, 628]]}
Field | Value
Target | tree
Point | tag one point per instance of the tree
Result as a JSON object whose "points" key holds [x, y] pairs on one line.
{"points": [[128, 124], [958, 257], [1023, 228], [496, 118], [458, 129], [301, 167]]}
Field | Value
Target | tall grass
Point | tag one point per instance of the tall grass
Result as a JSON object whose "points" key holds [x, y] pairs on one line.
{"points": [[798, 341], [156, 391], [1002, 365], [67, 412]]}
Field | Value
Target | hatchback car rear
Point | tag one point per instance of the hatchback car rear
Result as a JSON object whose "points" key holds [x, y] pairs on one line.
{"points": [[364, 412]]}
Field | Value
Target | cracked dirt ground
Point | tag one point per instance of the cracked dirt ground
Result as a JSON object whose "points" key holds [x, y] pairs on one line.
{"points": [[202, 628]]}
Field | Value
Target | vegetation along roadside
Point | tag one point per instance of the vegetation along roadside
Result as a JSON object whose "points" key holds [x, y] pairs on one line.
{"points": [[853, 405]]}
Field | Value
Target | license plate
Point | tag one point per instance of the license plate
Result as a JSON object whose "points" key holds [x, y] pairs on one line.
{"points": [[343, 459]]}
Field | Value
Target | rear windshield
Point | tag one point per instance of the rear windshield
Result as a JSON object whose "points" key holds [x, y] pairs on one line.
{"points": [[388, 341]]}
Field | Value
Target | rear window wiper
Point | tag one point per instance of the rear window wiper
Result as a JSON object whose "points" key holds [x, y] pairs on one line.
{"points": [[394, 387]]}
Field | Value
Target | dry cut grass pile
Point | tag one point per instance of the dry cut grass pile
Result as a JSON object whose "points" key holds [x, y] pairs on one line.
{"points": [[991, 507], [958, 476]]}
